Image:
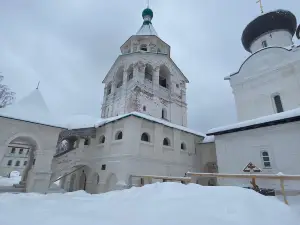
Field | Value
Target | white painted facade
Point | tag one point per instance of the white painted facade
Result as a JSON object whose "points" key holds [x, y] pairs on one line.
{"points": [[277, 38], [131, 155], [265, 89], [236, 150], [15, 158], [269, 72], [42, 142]]}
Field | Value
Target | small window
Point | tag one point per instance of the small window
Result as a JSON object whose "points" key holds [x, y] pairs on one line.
{"points": [[177, 85], [119, 84], [266, 159], [13, 150], [130, 76], [109, 89], [144, 48], [103, 167], [102, 139], [166, 142], [25, 163], [183, 146], [278, 103], [164, 114], [145, 137], [9, 163], [144, 108], [86, 142], [27, 152], [264, 44], [21, 151], [17, 163], [119, 135], [33, 162]]}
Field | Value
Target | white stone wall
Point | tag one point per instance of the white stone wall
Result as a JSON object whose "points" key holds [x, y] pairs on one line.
{"points": [[279, 38], [236, 150], [130, 155], [139, 92], [45, 139], [266, 73]]}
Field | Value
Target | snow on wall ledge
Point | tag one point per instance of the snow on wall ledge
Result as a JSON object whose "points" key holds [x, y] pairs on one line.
{"points": [[258, 121]]}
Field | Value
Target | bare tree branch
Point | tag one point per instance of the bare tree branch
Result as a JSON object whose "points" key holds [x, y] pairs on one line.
{"points": [[6, 95]]}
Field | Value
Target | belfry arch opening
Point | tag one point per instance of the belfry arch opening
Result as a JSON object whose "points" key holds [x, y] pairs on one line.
{"points": [[164, 76], [119, 77], [130, 72], [149, 72]]}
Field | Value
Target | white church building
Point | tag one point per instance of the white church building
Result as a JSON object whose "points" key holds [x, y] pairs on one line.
{"points": [[142, 129], [266, 90]]}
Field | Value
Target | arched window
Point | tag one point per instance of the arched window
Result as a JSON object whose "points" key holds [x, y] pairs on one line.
{"points": [[164, 76], [166, 142], [119, 77], [144, 48], [164, 113], [145, 137], [266, 159], [119, 135], [148, 72], [183, 146], [86, 142], [9, 163], [102, 139], [96, 178], [130, 73], [17, 163], [278, 103], [108, 89], [13, 150]]}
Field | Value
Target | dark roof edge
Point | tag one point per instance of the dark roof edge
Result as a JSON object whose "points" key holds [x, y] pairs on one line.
{"points": [[255, 126]]}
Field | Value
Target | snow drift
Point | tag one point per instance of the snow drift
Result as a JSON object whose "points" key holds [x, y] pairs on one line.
{"points": [[155, 204]]}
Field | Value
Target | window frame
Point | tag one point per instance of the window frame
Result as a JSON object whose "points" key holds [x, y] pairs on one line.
{"points": [[116, 138], [264, 44], [266, 161], [148, 137], [168, 140], [278, 108]]}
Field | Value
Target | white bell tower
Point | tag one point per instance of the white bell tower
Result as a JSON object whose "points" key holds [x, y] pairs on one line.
{"points": [[145, 79]]}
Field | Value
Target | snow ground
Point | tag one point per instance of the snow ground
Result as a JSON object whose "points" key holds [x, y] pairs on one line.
{"points": [[155, 204]]}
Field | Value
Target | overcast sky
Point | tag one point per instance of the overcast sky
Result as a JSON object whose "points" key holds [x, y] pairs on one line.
{"points": [[70, 45]]}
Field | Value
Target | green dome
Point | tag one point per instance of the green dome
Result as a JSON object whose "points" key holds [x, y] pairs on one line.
{"points": [[147, 12]]}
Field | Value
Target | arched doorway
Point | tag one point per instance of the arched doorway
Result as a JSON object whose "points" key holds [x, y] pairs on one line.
{"points": [[111, 182], [21, 149], [82, 181], [72, 183]]}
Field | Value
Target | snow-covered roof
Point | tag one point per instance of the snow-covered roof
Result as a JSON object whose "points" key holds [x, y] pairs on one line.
{"points": [[86, 122], [147, 29], [31, 108], [208, 139], [270, 120]]}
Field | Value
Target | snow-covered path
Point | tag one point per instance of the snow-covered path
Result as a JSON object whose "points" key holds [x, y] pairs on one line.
{"points": [[156, 204]]}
